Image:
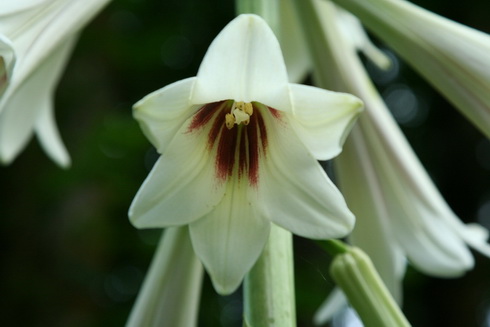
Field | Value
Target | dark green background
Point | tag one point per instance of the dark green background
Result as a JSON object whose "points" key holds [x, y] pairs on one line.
{"points": [[69, 256]]}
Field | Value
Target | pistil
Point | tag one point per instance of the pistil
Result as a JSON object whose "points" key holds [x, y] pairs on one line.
{"points": [[239, 114]]}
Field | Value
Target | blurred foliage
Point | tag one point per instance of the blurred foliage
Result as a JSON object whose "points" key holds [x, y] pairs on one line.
{"points": [[69, 254]]}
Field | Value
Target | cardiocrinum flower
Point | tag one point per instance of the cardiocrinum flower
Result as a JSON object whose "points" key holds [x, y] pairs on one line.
{"points": [[36, 39], [238, 147], [451, 56]]}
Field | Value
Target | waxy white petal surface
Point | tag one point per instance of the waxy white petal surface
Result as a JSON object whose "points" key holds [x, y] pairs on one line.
{"points": [[296, 193], [181, 187], [323, 119], [231, 237], [244, 63], [162, 113]]}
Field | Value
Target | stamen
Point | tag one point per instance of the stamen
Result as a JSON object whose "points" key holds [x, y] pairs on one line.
{"points": [[238, 150], [241, 117], [240, 113], [229, 121], [249, 109]]}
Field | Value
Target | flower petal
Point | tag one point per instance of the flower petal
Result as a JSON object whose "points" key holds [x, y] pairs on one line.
{"points": [[182, 185], [170, 293], [296, 193], [24, 100], [10, 6], [49, 136], [333, 304], [164, 111], [372, 232], [421, 221], [353, 32], [49, 24], [230, 239], [451, 56], [292, 42], [323, 119], [244, 63]]}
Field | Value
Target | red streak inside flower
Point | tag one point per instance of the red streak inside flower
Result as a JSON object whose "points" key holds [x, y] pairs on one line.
{"points": [[244, 145]]}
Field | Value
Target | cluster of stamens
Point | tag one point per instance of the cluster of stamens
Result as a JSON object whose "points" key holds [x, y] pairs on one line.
{"points": [[239, 114], [238, 151]]}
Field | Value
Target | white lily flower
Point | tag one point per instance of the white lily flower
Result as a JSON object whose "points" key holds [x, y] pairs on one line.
{"points": [[42, 34], [238, 147], [451, 56]]}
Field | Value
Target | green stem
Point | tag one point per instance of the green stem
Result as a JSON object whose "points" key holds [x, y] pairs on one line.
{"points": [[269, 286], [267, 9], [333, 247]]}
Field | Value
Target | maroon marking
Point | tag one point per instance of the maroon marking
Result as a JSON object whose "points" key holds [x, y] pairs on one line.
{"points": [[243, 143], [276, 113], [204, 114], [218, 125], [242, 154], [225, 156], [253, 148], [263, 132]]}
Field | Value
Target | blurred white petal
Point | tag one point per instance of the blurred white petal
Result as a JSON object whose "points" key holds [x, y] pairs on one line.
{"points": [[171, 290], [25, 107], [334, 303], [41, 35], [451, 56]]}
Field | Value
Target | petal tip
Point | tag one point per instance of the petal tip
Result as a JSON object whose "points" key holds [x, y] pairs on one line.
{"points": [[225, 286]]}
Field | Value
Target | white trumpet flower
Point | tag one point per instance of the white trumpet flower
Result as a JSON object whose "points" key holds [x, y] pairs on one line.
{"points": [[451, 56], [238, 147], [41, 34]]}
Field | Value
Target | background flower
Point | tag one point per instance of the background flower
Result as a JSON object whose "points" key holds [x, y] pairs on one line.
{"points": [[42, 34], [451, 56]]}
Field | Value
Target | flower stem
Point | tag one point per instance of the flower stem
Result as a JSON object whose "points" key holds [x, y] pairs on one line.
{"points": [[269, 286], [267, 9], [333, 247]]}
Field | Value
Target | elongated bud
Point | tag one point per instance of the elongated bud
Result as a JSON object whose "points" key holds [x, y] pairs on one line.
{"points": [[354, 272]]}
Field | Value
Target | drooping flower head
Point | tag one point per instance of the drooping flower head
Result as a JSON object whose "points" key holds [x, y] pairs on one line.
{"points": [[38, 36], [238, 147], [450, 56], [400, 215]]}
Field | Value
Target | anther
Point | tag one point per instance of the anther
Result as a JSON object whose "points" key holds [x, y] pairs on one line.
{"points": [[229, 121], [240, 113]]}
